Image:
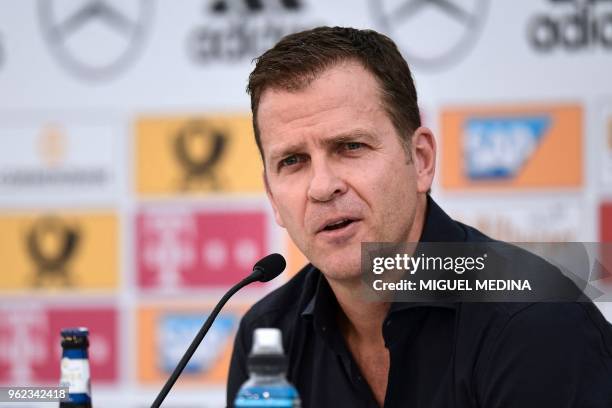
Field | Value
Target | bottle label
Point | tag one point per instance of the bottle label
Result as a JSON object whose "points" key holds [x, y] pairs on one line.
{"points": [[285, 403], [75, 374]]}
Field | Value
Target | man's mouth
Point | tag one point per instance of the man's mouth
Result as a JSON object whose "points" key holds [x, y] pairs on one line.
{"points": [[335, 225]]}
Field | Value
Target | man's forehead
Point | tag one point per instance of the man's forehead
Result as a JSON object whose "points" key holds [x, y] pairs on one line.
{"points": [[346, 89], [346, 81]]}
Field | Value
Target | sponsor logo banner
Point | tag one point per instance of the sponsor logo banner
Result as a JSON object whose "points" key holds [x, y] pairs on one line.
{"points": [[183, 248], [234, 31], [58, 251], [525, 221], [30, 348], [447, 29], [296, 260], [605, 222], [75, 158], [95, 39], [164, 333], [571, 26], [605, 235], [530, 147], [607, 148], [197, 154]]}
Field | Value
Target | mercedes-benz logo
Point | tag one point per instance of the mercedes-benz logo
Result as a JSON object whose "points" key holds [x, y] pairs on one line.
{"points": [[95, 39], [432, 34]]}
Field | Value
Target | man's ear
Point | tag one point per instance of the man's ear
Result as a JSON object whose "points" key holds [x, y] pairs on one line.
{"points": [[423, 146], [277, 216]]}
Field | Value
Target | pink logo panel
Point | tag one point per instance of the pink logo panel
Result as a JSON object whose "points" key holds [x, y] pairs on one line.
{"points": [[30, 347], [179, 249], [605, 220]]}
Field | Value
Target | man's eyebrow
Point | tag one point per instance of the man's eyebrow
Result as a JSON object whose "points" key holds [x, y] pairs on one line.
{"points": [[350, 136]]}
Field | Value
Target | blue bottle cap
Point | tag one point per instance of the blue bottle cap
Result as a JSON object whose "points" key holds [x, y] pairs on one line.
{"points": [[75, 331]]}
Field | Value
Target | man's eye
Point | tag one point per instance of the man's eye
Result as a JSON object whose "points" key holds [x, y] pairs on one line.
{"points": [[289, 161], [353, 145]]}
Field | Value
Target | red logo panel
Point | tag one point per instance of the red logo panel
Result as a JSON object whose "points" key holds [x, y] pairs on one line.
{"points": [[605, 237], [177, 249], [30, 347], [605, 228]]}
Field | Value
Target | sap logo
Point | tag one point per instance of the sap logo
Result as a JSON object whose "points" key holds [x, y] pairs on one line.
{"points": [[584, 25], [497, 148]]}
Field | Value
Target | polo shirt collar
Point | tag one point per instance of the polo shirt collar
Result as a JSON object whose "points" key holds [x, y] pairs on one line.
{"points": [[439, 227], [323, 304]]}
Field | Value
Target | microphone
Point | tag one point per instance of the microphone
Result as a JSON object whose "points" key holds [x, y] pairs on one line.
{"points": [[269, 267], [266, 269]]}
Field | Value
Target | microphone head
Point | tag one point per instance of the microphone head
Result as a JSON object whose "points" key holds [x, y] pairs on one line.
{"points": [[269, 267]]}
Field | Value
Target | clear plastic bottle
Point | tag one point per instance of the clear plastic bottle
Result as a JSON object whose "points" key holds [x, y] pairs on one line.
{"points": [[267, 385]]}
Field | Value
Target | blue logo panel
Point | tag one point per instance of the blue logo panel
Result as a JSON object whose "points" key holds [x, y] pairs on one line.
{"points": [[498, 148], [176, 332]]}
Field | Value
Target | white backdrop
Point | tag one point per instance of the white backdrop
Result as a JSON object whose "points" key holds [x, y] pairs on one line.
{"points": [[92, 94]]}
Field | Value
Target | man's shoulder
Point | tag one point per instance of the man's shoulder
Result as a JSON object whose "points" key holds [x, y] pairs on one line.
{"points": [[520, 322], [472, 234], [284, 304]]}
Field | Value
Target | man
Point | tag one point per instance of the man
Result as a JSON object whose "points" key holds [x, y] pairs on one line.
{"points": [[347, 161]]}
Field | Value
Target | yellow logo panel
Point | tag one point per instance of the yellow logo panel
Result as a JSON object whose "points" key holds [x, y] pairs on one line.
{"points": [[296, 260], [58, 251], [187, 155]]}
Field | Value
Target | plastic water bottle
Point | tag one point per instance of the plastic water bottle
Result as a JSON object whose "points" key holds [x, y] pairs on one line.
{"points": [[267, 385], [75, 368]]}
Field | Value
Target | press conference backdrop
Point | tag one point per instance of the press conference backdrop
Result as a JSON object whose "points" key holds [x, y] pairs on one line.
{"points": [[130, 188]]}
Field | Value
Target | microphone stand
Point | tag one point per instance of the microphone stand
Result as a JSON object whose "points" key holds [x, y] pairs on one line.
{"points": [[254, 277]]}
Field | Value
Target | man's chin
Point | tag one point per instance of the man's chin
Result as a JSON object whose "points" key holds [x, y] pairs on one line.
{"points": [[340, 268]]}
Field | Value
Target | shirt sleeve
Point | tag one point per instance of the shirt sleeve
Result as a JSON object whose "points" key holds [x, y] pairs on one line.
{"points": [[238, 372], [549, 355]]}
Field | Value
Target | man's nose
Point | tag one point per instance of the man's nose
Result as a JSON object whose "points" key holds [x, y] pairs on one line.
{"points": [[325, 182]]}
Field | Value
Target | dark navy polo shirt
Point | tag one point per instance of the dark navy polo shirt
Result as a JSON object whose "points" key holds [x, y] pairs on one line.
{"points": [[488, 355]]}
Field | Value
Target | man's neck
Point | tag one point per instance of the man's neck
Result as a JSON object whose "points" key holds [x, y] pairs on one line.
{"points": [[359, 318]]}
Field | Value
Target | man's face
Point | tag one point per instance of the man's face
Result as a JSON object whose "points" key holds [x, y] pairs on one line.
{"points": [[337, 173]]}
